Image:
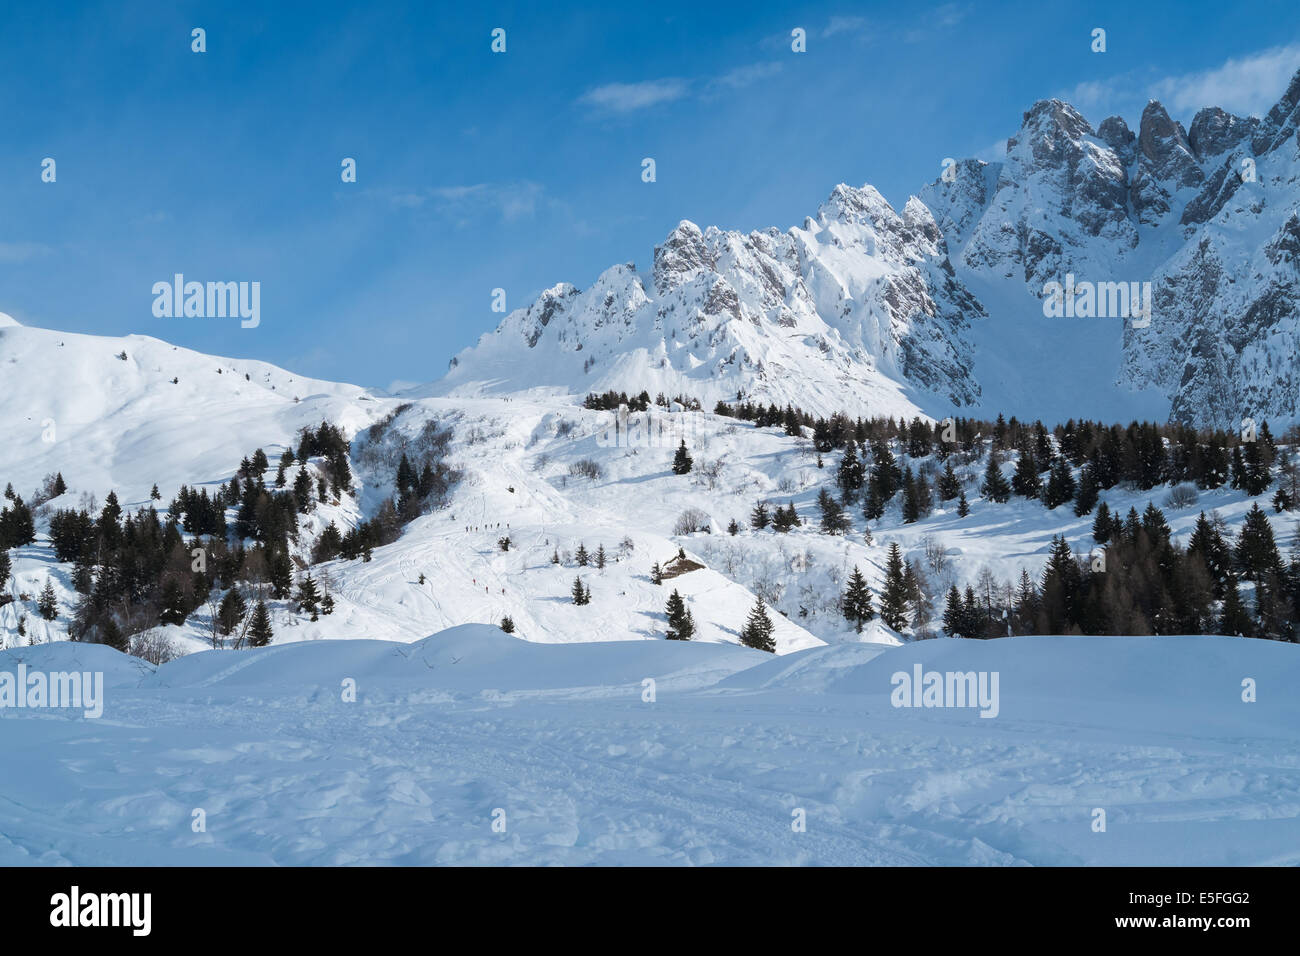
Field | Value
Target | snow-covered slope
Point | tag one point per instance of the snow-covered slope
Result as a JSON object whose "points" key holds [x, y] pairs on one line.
{"points": [[537, 469], [123, 413], [574, 759]]}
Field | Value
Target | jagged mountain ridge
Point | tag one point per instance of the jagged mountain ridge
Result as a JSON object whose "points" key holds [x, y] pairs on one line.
{"points": [[858, 300], [938, 308]]}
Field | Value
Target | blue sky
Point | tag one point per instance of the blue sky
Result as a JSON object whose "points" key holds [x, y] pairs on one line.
{"points": [[518, 170]]}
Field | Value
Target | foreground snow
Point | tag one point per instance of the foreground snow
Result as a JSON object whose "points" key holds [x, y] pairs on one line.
{"points": [[448, 730]]}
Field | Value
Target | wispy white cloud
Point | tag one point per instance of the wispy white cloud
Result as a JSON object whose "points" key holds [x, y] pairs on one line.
{"points": [[943, 17], [630, 97], [844, 25], [624, 98], [1249, 84], [743, 76], [993, 153], [22, 251], [1243, 85], [1092, 96], [510, 201], [950, 14]]}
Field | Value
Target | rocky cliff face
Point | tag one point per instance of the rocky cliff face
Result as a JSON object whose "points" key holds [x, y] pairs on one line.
{"points": [[857, 308], [872, 308], [1207, 216]]}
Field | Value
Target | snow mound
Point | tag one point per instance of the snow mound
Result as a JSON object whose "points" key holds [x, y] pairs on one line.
{"points": [[471, 659], [119, 670], [1164, 684]]}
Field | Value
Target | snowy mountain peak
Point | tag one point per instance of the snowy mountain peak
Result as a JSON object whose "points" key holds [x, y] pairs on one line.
{"points": [[938, 307], [1049, 128], [681, 257], [1282, 122], [1215, 131]]}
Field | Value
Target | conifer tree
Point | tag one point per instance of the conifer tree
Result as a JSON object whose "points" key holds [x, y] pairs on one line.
{"points": [[1060, 589], [856, 601], [682, 461], [995, 487], [911, 501], [259, 628], [915, 587], [302, 490], [1060, 484], [48, 604], [757, 632], [851, 473], [874, 507], [581, 556], [508, 624], [1025, 482], [1214, 466], [1207, 543], [405, 475], [173, 610], [1131, 526], [733, 528], [1254, 473], [681, 626], [975, 621], [758, 517], [308, 595], [1085, 498], [231, 611], [924, 496], [656, 574], [954, 619], [784, 520], [1238, 467], [580, 593], [1256, 551], [834, 520], [885, 474], [111, 635], [949, 484], [963, 506], [1155, 525], [1026, 609], [280, 573], [1233, 617], [6, 568], [893, 601], [1101, 525], [600, 557]]}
